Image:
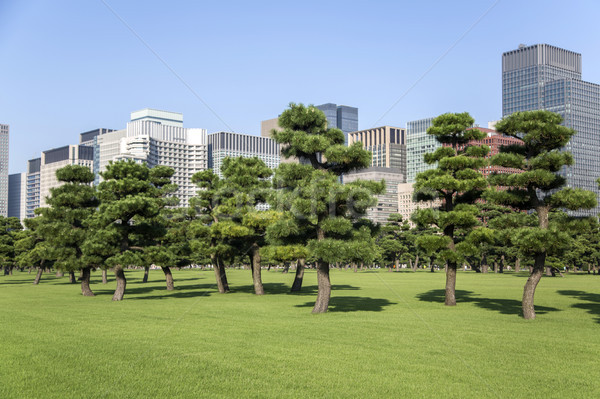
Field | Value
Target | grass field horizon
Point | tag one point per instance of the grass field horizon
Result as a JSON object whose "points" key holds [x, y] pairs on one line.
{"points": [[385, 335]]}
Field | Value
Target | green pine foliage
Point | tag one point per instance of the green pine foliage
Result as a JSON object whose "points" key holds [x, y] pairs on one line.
{"points": [[538, 186], [311, 190], [458, 183]]}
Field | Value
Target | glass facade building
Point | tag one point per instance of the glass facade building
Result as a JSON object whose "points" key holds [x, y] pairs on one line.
{"points": [[547, 77], [418, 143], [342, 117]]}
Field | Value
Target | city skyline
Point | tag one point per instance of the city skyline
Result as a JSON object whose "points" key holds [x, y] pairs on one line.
{"points": [[70, 68]]}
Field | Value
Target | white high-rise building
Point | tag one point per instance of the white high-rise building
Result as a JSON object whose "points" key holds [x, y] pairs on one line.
{"points": [[157, 138], [3, 170]]}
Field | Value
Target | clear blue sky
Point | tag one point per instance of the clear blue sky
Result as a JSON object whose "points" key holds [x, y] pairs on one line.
{"points": [[72, 66]]}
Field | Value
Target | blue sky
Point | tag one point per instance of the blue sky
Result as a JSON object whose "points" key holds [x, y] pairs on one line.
{"points": [[71, 66]]}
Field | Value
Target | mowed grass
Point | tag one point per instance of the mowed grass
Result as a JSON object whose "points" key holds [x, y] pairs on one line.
{"points": [[386, 335]]}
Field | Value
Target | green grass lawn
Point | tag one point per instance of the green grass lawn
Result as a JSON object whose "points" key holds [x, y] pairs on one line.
{"points": [[386, 335]]}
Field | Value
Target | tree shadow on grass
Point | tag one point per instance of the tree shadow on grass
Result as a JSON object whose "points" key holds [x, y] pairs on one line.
{"points": [[353, 304], [284, 289], [500, 305], [593, 305], [138, 291]]}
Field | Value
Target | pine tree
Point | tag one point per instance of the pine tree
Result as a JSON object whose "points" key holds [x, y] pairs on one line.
{"points": [[537, 187], [458, 183], [70, 206], [128, 219], [316, 194]]}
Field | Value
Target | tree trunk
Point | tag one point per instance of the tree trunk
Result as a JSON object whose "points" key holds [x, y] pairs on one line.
{"points": [[416, 264], [324, 290], [121, 283], [297, 286], [60, 273], [484, 268], [38, 275], [29, 270], [549, 271], [286, 267], [85, 282], [495, 267], [518, 265], [431, 266], [450, 284], [324, 285], [168, 277], [220, 276], [146, 272], [256, 272], [104, 278], [530, 285], [72, 278], [501, 264]]}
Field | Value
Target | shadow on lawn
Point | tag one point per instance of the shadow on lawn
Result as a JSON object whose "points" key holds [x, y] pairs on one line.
{"points": [[503, 306], [284, 289], [593, 305], [180, 291], [353, 304]]}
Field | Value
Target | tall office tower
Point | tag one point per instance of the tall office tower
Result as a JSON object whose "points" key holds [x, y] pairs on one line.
{"points": [[157, 138], [342, 117], [547, 77], [227, 144], [57, 158], [17, 195], [386, 203], [418, 143], [32, 196], [387, 145], [3, 170]]}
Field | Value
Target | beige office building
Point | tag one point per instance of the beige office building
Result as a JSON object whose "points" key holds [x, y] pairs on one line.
{"points": [[406, 205], [387, 145], [57, 158], [387, 203]]}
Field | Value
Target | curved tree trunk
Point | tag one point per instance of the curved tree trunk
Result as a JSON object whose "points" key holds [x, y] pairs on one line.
{"points": [[121, 283], [168, 278], [256, 272], [416, 264], [297, 286], [146, 272], [450, 297], [324, 288], [85, 282], [72, 278], [104, 278], [530, 285], [38, 275], [220, 275]]}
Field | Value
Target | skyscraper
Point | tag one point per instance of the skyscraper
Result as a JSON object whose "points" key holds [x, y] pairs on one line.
{"points": [[342, 117], [32, 197], [3, 170], [418, 143], [17, 195], [387, 145], [228, 144], [157, 138], [547, 77]]}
